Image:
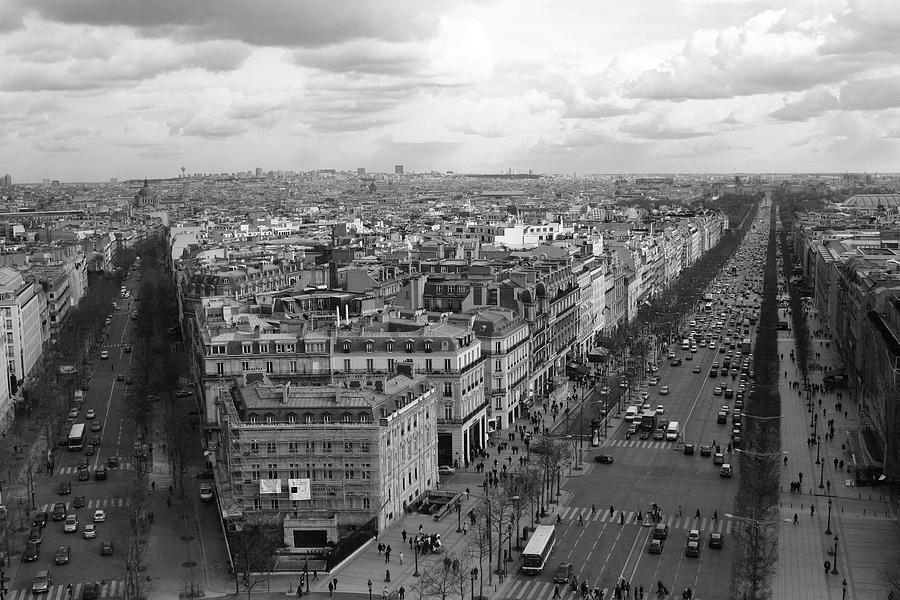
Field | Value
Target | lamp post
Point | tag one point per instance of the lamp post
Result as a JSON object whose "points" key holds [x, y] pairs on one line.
{"points": [[821, 474], [473, 574], [828, 526], [416, 557], [756, 523], [369, 583], [834, 570], [458, 516]]}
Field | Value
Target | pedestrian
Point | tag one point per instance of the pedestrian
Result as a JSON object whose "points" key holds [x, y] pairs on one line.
{"points": [[785, 460], [556, 592], [716, 516], [330, 589], [402, 592], [387, 576], [380, 548], [796, 521], [828, 486], [315, 574], [403, 535], [812, 509], [827, 566], [800, 475], [698, 514], [384, 592], [580, 519], [334, 581], [467, 493], [401, 558]]}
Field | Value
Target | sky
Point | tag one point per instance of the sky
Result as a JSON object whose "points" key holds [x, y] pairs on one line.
{"points": [[95, 89]]}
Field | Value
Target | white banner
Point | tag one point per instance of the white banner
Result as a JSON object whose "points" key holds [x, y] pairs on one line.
{"points": [[299, 489], [269, 486]]}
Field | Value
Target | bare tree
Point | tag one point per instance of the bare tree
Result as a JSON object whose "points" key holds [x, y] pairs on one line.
{"points": [[253, 554], [446, 577], [136, 546]]}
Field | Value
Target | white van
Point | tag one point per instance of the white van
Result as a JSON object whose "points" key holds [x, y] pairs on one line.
{"points": [[672, 431], [631, 413]]}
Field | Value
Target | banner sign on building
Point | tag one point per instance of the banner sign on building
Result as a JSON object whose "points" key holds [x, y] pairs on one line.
{"points": [[299, 489], [269, 486]]}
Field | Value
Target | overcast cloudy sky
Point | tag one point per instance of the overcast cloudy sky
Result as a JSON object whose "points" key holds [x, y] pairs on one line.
{"points": [[93, 89]]}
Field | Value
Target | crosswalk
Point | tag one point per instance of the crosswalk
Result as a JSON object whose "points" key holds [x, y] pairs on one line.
{"points": [[658, 444], [94, 503], [686, 522], [114, 588], [535, 588], [74, 470]]}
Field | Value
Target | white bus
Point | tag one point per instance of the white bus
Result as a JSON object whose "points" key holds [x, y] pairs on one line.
{"points": [[672, 431], [631, 413], [76, 437], [538, 550]]}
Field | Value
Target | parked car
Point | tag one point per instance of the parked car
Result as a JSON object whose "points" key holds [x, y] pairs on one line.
{"points": [[605, 459], [90, 414], [705, 450], [32, 552], [96, 426], [689, 449], [36, 535], [127, 348], [446, 470], [120, 377], [83, 474], [104, 354], [112, 462], [206, 492], [718, 458], [40, 519]]}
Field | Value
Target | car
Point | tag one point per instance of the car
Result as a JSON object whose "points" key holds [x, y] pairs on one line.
{"points": [[96, 426], [717, 391], [676, 362], [659, 434], [59, 511], [655, 546], [128, 348], [671, 355], [696, 369], [90, 414], [722, 418], [90, 591], [653, 381], [716, 539], [689, 449], [654, 368], [184, 394], [99, 516], [664, 390], [604, 390], [693, 349], [64, 488], [73, 414], [62, 555], [660, 409], [112, 462], [104, 354], [718, 458], [692, 549], [95, 440], [89, 531], [725, 471], [120, 377], [32, 552], [40, 519], [660, 531], [705, 449], [645, 434], [71, 524], [106, 548], [206, 492], [41, 582], [83, 474], [632, 429], [446, 470], [688, 357], [129, 380], [693, 535], [36, 535], [78, 502], [563, 573], [712, 345], [100, 473], [604, 459]]}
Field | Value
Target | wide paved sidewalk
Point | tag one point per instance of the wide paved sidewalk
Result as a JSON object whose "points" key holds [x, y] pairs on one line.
{"points": [[861, 519]]}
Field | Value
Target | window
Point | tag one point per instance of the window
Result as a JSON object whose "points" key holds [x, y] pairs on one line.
{"points": [[326, 418], [409, 345], [447, 365], [428, 365], [390, 345], [328, 472], [273, 504], [427, 345], [279, 348], [254, 472], [270, 366], [348, 447], [264, 347], [245, 366], [246, 348], [270, 447], [293, 471], [257, 504], [366, 472], [218, 349], [308, 418], [291, 347], [370, 365], [448, 411], [254, 447], [270, 418], [291, 418], [498, 365], [346, 365], [220, 368], [367, 504], [326, 447], [448, 389], [346, 347], [293, 367], [364, 447], [347, 417], [310, 447], [292, 447], [390, 365], [499, 404], [370, 345], [348, 471], [273, 471]]}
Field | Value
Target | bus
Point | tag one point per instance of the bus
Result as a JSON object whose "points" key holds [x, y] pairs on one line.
{"points": [[76, 437], [648, 420], [538, 550]]}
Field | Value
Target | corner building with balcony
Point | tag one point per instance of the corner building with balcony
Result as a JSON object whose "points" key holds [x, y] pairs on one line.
{"points": [[365, 455], [448, 355]]}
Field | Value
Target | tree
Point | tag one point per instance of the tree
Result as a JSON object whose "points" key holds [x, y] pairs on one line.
{"points": [[253, 553], [136, 546], [446, 577]]}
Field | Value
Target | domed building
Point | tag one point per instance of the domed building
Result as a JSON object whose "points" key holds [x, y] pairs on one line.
{"points": [[145, 196]]}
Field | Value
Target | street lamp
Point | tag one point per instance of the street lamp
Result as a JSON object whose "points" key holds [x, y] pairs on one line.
{"points": [[474, 575], [369, 583], [834, 570], [821, 473], [416, 557], [828, 527], [458, 516]]}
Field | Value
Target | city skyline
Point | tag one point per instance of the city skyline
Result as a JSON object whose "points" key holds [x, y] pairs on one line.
{"points": [[93, 90]]}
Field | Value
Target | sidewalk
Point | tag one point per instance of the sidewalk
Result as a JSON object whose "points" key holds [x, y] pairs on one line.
{"points": [[861, 518]]}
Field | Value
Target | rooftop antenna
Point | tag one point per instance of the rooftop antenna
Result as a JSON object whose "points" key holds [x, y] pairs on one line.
{"points": [[182, 170]]}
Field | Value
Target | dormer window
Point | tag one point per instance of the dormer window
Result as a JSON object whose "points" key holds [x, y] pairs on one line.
{"points": [[390, 345], [409, 345], [370, 345], [346, 346], [247, 348], [428, 345]]}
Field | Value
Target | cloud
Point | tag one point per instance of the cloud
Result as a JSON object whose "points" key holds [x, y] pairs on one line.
{"points": [[871, 94], [658, 127], [287, 23], [807, 105], [754, 58]]}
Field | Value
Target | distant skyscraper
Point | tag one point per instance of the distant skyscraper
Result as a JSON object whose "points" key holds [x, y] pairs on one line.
{"points": [[258, 172], [398, 169], [113, 180], [46, 183], [361, 171], [6, 180]]}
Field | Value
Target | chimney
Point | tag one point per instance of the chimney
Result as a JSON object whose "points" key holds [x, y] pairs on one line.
{"points": [[347, 313]]}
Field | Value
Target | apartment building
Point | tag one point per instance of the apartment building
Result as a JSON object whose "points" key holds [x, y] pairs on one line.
{"points": [[325, 461], [448, 355], [504, 345], [23, 309]]}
